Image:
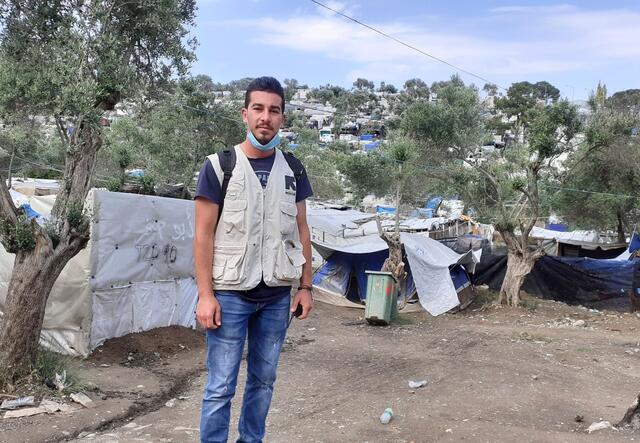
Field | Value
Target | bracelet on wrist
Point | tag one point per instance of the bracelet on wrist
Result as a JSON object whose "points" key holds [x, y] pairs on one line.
{"points": [[307, 287]]}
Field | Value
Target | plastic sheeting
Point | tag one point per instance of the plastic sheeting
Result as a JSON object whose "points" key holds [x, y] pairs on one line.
{"points": [[343, 276], [344, 273], [142, 306], [430, 261], [570, 280], [135, 274], [155, 244]]}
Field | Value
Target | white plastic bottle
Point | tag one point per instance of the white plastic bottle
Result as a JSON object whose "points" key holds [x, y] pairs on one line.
{"points": [[386, 416]]}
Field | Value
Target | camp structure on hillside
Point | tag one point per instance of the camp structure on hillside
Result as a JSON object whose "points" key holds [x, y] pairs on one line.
{"points": [[135, 274], [348, 240]]}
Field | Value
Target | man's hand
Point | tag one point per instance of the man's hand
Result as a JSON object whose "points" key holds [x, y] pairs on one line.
{"points": [[304, 299], [208, 312]]}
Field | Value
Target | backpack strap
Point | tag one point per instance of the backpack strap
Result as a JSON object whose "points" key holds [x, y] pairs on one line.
{"points": [[227, 163], [294, 164]]}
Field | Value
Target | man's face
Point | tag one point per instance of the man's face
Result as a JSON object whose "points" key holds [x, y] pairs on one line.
{"points": [[264, 115]]}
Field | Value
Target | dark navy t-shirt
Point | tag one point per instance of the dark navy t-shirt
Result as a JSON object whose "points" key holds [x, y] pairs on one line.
{"points": [[209, 187]]}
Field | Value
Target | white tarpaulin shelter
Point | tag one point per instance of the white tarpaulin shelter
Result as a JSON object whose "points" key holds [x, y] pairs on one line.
{"points": [[135, 274], [429, 261]]}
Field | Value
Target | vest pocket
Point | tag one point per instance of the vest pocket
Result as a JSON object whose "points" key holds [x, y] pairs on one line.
{"points": [[227, 263], [233, 216], [289, 260], [288, 212]]}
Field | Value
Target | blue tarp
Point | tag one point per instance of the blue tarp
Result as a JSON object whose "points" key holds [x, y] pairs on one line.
{"points": [[385, 210], [634, 244], [371, 146], [433, 203], [342, 270], [337, 272], [366, 137], [422, 213], [571, 280], [559, 227], [29, 211]]}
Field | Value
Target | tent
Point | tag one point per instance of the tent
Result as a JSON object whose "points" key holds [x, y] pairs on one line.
{"points": [[568, 279], [350, 245], [135, 274]]}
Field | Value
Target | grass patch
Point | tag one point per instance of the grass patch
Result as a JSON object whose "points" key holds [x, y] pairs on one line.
{"points": [[41, 380], [484, 297], [50, 366], [530, 304]]}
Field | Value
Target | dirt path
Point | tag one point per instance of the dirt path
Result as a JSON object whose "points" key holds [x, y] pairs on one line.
{"points": [[498, 375]]}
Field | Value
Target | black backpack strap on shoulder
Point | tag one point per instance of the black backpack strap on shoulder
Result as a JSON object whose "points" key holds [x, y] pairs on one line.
{"points": [[295, 164], [227, 160]]}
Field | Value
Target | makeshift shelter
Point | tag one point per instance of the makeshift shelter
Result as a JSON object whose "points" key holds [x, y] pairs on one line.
{"points": [[567, 279], [135, 274], [578, 243], [350, 244]]}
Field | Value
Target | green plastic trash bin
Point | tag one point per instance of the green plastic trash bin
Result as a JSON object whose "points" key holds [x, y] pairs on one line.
{"points": [[382, 296]]}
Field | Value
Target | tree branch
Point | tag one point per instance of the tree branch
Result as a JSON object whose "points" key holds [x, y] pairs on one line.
{"points": [[8, 210], [61, 130]]}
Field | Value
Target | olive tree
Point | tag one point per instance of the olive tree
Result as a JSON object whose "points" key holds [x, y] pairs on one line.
{"points": [[71, 61]]}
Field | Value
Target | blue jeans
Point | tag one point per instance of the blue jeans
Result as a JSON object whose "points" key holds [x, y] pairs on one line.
{"points": [[266, 327]]}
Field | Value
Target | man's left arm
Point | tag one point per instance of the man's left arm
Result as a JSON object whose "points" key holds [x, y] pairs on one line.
{"points": [[303, 296]]}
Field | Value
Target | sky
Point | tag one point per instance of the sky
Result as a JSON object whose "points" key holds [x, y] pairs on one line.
{"points": [[571, 45]]}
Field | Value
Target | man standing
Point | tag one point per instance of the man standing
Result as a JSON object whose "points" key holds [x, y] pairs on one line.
{"points": [[251, 245]]}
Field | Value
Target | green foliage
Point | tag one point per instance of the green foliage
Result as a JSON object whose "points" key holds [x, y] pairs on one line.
{"points": [[290, 87], [49, 363], [551, 127], [503, 186], [628, 100], [113, 185], [77, 58], [77, 216], [53, 232], [320, 165], [491, 89], [388, 88], [522, 97], [416, 88], [363, 83], [455, 121], [606, 163], [171, 139], [18, 236], [148, 184]]}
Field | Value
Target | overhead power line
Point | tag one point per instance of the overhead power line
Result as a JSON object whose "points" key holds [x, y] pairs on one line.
{"points": [[384, 34]]}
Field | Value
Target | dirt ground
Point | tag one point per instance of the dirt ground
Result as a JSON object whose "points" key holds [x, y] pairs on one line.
{"points": [[493, 375]]}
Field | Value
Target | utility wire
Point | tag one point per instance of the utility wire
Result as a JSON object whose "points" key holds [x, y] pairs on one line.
{"points": [[407, 44]]}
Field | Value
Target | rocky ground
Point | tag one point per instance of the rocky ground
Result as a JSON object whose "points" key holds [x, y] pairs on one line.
{"points": [[493, 374]]}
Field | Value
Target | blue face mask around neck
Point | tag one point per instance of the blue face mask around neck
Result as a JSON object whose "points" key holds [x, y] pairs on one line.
{"points": [[275, 141]]}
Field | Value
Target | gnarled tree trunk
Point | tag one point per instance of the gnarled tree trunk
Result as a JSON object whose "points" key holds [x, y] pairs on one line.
{"points": [[37, 268], [34, 273], [519, 265], [632, 416], [520, 262]]}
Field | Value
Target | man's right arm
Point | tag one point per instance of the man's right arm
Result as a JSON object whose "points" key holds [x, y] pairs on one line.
{"points": [[206, 218]]}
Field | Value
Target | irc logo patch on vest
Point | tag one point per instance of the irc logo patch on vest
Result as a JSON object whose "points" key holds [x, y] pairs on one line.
{"points": [[289, 184]]}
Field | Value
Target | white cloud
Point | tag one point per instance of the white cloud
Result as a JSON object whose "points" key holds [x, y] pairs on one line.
{"points": [[541, 9], [558, 38], [336, 6]]}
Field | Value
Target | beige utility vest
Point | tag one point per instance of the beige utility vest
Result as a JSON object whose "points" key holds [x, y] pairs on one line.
{"points": [[257, 236]]}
